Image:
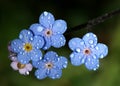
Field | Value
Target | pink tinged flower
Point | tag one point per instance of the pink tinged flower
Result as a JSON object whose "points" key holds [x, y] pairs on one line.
{"points": [[22, 68]]}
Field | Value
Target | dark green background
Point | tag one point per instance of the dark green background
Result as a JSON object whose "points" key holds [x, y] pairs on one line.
{"points": [[16, 15]]}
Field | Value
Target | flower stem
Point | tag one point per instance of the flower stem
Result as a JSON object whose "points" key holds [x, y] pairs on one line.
{"points": [[93, 22]]}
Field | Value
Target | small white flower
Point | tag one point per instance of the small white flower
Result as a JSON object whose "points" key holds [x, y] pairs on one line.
{"points": [[22, 68]]}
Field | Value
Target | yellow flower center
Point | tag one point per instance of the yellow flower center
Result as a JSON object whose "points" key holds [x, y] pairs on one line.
{"points": [[20, 66], [28, 47], [48, 65], [86, 51], [48, 32]]}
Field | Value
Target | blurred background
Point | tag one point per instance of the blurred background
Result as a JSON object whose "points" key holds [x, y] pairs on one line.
{"points": [[16, 15]]}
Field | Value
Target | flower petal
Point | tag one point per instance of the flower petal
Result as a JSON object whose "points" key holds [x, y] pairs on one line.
{"points": [[17, 46], [39, 64], [76, 44], [14, 65], [35, 55], [58, 41], [101, 50], [26, 35], [59, 27], [90, 39], [37, 29], [38, 42], [29, 67], [51, 56], [61, 63], [23, 58], [40, 73], [77, 59], [55, 73], [46, 19], [47, 43], [23, 71], [92, 63]]}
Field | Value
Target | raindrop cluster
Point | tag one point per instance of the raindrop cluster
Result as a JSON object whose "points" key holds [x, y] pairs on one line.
{"points": [[31, 49]]}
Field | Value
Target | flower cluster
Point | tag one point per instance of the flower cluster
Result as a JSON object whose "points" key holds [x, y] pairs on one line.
{"points": [[87, 51], [26, 52]]}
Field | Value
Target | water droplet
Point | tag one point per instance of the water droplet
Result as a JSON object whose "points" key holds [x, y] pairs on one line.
{"points": [[38, 77], [101, 56], [97, 65], [45, 13], [64, 66], [48, 17], [21, 36], [39, 29], [19, 47], [28, 33], [91, 41], [27, 73], [72, 55], [53, 77], [94, 69], [97, 48], [94, 57], [14, 49], [82, 43], [92, 63], [83, 60], [79, 57], [31, 38], [66, 62], [89, 59], [45, 48], [77, 50], [88, 35], [57, 76], [94, 35]]}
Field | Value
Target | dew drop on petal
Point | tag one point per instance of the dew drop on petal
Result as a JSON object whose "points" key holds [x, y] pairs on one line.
{"points": [[31, 38], [57, 76], [97, 65], [101, 56], [91, 41], [39, 29], [38, 77], [21, 36], [94, 69], [97, 48], [82, 43], [83, 60], [94, 57], [64, 66], [88, 35], [45, 13], [89, 59], [72, 55], [77, 50], [27, 73], [28, 33]]}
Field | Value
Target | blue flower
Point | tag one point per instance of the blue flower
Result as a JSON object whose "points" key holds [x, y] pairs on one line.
{"points": [[27, 47], [87, 51], [51, 66], [51, 30]]}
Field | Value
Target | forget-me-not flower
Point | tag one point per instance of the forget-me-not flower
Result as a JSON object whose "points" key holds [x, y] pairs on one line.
{"points": [[87, 51], [27, 47], [52, 30], [23, 69], [50, 66]]}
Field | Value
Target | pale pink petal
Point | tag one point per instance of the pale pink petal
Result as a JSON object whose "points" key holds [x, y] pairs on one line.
{"points": [[29, 67], [14, 65], [23, 71]]}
